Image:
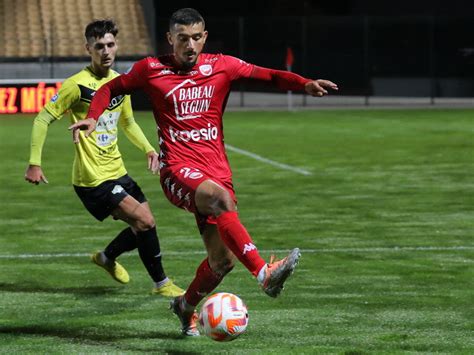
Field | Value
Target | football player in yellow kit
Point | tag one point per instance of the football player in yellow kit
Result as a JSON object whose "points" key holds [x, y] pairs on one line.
{"points": [[99, 176]]}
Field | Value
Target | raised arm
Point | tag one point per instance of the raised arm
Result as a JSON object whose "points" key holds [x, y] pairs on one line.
{"points": [[286, 80]]}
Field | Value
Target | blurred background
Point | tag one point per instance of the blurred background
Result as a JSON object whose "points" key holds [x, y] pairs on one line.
{"points": [[418, 51]]}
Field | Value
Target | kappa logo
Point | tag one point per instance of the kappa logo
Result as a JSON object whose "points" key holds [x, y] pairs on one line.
{"points": [[248, 248], [210, 60], [165, 72], [117, 189], [206, 69], [156, 65]]}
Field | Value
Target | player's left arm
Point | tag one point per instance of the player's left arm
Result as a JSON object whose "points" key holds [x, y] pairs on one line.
{"points": [[135, 135], [286, 80]]}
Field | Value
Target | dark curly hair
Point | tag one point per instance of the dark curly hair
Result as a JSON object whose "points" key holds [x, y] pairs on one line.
{"points": [[99, 28]]}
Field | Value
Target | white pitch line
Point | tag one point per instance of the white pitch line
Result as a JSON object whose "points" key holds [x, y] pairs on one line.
{"points": [[268, 161], [303, 251]]}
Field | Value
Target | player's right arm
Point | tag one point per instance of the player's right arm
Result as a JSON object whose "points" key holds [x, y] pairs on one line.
{"points": [[34, 173], [54, 110], [126, 83]]}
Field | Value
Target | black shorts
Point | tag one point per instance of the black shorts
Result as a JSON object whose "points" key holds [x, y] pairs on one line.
{"points": [[101, 200]]}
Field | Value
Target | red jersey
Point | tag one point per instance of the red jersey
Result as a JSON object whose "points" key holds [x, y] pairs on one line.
{"points": [[188, 105]]}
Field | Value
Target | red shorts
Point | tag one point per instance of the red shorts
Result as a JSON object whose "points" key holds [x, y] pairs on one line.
{"points": [[179, 183]]}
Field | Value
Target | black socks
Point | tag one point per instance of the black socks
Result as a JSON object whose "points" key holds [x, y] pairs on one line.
{"points": [[123, 242], [150, 253]]}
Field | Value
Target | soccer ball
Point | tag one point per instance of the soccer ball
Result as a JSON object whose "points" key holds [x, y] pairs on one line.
{"points": [[223, 317]]}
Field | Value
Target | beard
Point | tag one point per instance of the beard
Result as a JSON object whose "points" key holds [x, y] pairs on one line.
{"points": [[188, 65]]}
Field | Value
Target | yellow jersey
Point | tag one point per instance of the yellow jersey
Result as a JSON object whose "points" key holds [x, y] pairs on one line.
{"points": [[97, 157]]}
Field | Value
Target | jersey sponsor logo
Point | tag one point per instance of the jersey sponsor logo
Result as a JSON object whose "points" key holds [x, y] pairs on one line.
{"points": [[189, 102], [205, 69], [196, 92], [206, 134], [55, 98], [105, 139], [106, 128], [248, 248], [107, 121], [115, 102], [87, 94], [191, 173]]}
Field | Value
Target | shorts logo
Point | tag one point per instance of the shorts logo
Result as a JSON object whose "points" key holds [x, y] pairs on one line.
{"points": [[248, 248], [117, 189], [191, 173], [206, 69]]}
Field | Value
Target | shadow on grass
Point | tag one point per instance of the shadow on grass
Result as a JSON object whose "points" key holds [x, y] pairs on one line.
{"points": [[29, 287], [94, 336]]}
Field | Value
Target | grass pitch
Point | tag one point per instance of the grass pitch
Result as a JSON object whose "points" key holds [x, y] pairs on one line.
{"points": [[385, 222]]}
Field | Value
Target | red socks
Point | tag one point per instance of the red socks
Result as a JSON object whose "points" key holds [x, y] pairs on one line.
{"points": [[204, 282], [237, 239]]}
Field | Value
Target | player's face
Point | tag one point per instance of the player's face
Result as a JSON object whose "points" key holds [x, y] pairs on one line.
{"points": [[188, 42], [102, 51]]}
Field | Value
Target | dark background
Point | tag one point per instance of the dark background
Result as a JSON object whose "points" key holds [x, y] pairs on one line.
{"points": [[386, 48], [321, 7]]}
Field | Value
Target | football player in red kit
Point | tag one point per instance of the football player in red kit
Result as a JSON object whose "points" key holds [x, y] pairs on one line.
{"points": [[189, 90]]}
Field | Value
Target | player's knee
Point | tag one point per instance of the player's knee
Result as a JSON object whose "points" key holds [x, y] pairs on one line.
{"points": [[212, 199], [145, 223], [223, 265], [221, 202]]}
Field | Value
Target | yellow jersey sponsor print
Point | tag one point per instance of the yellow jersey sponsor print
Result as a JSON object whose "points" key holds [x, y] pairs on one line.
{"points": [[97, 157]]}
